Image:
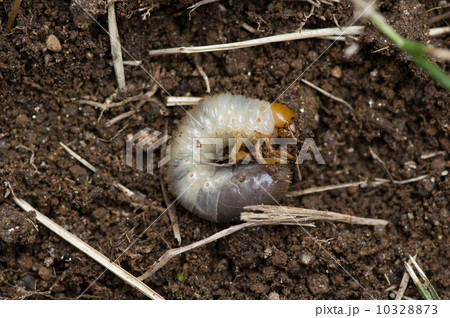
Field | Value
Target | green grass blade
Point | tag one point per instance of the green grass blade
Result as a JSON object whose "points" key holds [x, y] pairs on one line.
{"points": [[433, 292], [435, 72], [416, 49]]}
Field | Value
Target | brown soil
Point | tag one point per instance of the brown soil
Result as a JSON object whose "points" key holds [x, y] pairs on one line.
{"points": [[399, 113]]}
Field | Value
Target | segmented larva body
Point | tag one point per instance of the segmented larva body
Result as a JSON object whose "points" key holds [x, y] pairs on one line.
{"points": [[218, 193]]}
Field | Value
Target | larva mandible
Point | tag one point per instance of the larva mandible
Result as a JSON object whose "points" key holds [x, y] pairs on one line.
{"points": [[218, 193]]}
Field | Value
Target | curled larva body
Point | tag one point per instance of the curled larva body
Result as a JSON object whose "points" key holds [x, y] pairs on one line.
{"points": [[218, 193]]}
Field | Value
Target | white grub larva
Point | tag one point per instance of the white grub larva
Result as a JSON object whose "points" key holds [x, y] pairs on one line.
{"points": [[218, 193]]}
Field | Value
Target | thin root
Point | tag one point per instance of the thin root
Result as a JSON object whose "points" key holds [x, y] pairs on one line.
{"points": [[116, 48]]}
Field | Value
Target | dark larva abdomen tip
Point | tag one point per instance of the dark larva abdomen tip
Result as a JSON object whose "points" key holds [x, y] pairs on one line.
{"points": [[251, 185]]}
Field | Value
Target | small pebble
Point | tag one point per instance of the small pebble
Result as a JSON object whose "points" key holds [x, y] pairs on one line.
{"points": [[306, 258], [53, 43], [267, 252], [273, 296], [336, 72]]}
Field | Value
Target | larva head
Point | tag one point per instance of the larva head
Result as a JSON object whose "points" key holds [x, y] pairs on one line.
{"points": [[284, 120]]}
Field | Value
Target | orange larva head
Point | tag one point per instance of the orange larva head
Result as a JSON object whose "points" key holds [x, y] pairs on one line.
{"points": [[284, 120]]}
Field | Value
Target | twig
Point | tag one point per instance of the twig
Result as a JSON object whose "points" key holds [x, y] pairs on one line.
{"points": [[195, 6], [340, 100], [440, 54], [434, 32], [326, 188], [79, 158], [116, 49], [172, 213], [403, 284], [334, 38], [310, 215], [124, 189], [168, 255], [147, 96], [377, 158], [106, 106], [306, 17], [336, 22], [203, 74], [438, 18], [432, 154], [170, 207], [380, 50], [120, 117], [88, 250], [326, 34], [248, 27], [132, 63], [313, 3], [293, 215], [12, 15], [305, 34], [83, 161], [403, 297], [182, 101], [31, 157], [391, 287], [411, 180], [376, 182]]}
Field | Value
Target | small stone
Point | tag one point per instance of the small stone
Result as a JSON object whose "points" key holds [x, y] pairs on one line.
{"points": [[53, 43], [273, 296], [306, 258], [336, 72], [45, 273], [268, 252], [410, 164]]}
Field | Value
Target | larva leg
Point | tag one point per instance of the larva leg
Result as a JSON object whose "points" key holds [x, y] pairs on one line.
{"points": [[235, 151], [241, 155], [259, 157], [274, 152]]}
